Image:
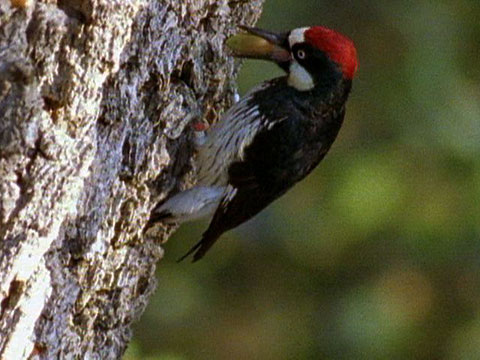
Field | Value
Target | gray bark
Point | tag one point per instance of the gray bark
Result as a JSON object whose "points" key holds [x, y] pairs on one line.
{"points": [[95, 101]]}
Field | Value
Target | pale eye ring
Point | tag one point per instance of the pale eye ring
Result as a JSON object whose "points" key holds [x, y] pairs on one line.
{"points": [[301, 54]]}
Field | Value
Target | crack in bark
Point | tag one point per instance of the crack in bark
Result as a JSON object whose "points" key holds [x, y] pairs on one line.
{"points": [[14, 293]]}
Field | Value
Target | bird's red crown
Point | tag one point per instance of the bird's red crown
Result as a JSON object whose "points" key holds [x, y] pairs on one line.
{"points": [[339, 47]]}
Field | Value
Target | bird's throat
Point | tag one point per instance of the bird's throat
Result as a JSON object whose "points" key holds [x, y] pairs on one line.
{"points": [[300, 78]]}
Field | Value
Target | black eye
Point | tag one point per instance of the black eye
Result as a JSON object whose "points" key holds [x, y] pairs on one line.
{"points": [[301, 54]]}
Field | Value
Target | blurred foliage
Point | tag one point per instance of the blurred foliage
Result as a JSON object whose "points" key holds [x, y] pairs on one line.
{"points": [[376, 255]]}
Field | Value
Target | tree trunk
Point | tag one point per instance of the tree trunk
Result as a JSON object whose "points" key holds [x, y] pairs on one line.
{"points": [[95, 101]]}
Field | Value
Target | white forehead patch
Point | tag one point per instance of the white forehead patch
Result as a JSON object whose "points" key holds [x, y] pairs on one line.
{"points": [[297, 36]]}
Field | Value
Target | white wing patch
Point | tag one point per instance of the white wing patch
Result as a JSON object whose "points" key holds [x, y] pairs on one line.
{"points": [[229, 195]]}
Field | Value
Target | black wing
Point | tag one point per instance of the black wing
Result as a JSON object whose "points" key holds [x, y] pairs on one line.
{"points": [[279, 156], [238, 205], [275, 160]]}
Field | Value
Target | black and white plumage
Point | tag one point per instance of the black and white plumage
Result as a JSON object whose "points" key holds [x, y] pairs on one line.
{"points": [[273, 137]]}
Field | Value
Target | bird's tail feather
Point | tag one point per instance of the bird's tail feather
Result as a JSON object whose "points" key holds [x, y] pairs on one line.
{"points": [[200, 248]]}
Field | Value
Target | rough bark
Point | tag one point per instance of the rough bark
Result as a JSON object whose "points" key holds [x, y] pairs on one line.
{"points": [[95, 101]]}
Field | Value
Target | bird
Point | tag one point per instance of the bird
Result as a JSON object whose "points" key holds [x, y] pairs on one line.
{"points": [[271, 138]]}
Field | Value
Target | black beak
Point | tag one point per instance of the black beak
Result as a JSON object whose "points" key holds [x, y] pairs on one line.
{"points": [[260, 44]]}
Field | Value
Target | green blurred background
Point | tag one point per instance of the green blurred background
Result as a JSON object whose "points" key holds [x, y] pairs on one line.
{"points": [[376, 255]]}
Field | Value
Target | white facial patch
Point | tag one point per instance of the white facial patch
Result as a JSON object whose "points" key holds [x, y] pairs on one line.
{"points": [[300, 78], [297, 36]]}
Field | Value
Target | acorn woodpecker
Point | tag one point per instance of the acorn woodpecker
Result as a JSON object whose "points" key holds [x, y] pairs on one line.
{"points": [[274, 136]]}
